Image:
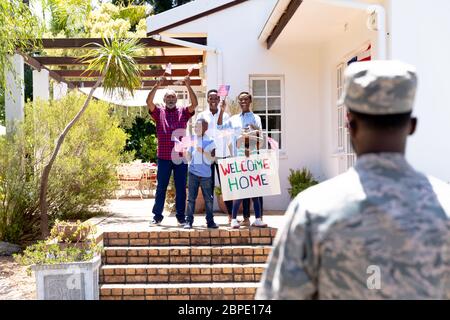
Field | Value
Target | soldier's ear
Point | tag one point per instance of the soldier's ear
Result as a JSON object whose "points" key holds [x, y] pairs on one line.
{"points": [[412, 126], [351, 124]]}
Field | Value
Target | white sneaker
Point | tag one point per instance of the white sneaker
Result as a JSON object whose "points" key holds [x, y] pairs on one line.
{"points": [[259, 223], [235, 224]]}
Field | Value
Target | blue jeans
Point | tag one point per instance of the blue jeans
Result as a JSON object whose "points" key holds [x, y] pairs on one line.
{"points": [[165, 168], [205, 183], [256, 206]]}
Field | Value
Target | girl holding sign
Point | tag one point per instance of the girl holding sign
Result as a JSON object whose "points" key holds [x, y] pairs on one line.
{"points": [[247, 127]]}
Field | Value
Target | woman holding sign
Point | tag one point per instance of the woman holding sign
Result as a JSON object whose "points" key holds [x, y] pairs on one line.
{"points": [[247, 128]]}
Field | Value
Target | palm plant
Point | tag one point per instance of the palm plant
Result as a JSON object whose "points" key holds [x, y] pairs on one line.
{"points": [[114, 60]]}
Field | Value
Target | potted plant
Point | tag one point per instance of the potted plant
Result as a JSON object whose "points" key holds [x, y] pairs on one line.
{"points": [[66, 265], [170, 196], [72, 232], [300, 180], [221, 202]]}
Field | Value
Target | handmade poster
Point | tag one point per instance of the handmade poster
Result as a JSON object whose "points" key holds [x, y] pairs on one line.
{"points": [[248, 177], [223, 91]]}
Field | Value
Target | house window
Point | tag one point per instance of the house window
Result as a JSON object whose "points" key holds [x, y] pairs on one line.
{"points": [[340, 109], [347, 156], [268, 97]]}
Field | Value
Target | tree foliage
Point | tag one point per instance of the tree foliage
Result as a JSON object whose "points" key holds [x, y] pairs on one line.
{"points": [[158, 5], [142, 139], [68, 16], [164, 5], [83, 175], [19, 30], [128, 21], [115, 60], [77, 18]]}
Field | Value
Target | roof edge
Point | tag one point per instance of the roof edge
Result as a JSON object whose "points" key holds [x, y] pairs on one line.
{"points": [[281, 14], [172, 23]]}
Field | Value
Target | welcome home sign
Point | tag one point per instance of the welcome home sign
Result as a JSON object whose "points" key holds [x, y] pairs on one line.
{"points": [[255, 176]]}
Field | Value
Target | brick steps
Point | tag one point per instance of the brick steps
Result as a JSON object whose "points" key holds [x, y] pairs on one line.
{"points": [[184, 254], [181, 273], [192, 264], [191, 291], [193, 237]]}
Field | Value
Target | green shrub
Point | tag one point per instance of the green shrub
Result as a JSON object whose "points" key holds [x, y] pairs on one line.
{"points": [[300, 180], [142, 138], [19, 217], [83, 176], [84, 173], [148, 148], [217, 191], [43, 252]]}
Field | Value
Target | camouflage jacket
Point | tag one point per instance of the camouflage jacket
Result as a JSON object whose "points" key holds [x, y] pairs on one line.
{"points": [[379, 231]]}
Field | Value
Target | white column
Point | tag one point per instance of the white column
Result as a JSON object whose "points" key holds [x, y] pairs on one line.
{"points": [[41, 84], [14, 91], [59, 90]]}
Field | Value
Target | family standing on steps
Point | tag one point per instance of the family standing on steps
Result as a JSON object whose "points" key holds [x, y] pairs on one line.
{"points": [[217, 136]]}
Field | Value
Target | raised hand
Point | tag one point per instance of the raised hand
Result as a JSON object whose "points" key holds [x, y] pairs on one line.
{"points": [[187, 81], [223, 105], [161, 81]]}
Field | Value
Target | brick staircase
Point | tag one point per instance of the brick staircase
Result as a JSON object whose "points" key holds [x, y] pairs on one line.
{"points": [[188, 264]]}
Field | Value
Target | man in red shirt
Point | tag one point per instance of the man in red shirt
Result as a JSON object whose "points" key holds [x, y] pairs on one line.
{"points": [[171, 122]]}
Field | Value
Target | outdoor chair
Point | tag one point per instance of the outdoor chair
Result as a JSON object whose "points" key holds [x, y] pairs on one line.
{"points": [[129, 176]]}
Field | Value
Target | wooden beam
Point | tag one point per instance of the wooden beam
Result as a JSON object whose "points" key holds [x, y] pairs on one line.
{"points": [[35, 64], [89, 43], [145, 84], [284, 19], [144, 73], [198, 16], [149, 60]]}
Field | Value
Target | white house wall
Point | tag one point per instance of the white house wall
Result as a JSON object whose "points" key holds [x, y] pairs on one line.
{"points": [[419, 35], [235, 32], [332, 53]]}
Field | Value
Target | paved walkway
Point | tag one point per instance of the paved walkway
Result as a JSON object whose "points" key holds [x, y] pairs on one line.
{"points": [[135, 215]]}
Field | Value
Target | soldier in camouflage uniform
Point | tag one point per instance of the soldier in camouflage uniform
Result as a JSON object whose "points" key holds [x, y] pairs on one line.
{"points": [[378, 231]]}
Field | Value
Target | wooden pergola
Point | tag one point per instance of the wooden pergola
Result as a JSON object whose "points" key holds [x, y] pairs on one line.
{"points": [[61, 68]]}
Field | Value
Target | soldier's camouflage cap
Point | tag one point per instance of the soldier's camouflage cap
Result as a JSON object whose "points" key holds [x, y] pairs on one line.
{"points": [[380, 87]]}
